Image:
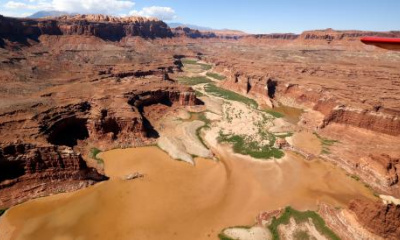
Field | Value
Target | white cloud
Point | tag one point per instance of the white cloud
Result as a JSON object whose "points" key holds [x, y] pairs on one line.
{"points": [[15, 5], [74, 6], [162, 13], [112, 7], [14, 13], [92, 6], [33, 5]]}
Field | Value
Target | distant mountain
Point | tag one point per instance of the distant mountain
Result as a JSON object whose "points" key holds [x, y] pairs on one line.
{"points": [[42, 14], [200, 28], [226, 32]]}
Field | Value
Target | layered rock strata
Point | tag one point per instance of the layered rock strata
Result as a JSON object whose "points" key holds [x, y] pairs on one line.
{"points": [[46, 144], [379, 218], [104, 27], [66, 95], [348, 96]]}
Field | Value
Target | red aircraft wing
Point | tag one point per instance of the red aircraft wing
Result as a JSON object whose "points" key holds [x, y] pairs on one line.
{"points": [[386, 43]]}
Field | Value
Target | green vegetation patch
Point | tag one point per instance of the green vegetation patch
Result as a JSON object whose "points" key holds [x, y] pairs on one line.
{"points": [[301, 217], [275, 114], [191, 81], [229, 95], [199, 94], [93, 154], [215, 76], [189, 61], [326, 143], [302, 235], [202, 117], [246, 146], [355, 177], [284, 135], [203, 66], [222, 236]]}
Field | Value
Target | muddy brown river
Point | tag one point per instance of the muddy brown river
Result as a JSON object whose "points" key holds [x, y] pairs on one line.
{"points": [[175, 200]]}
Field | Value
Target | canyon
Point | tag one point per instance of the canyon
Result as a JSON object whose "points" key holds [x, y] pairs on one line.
{"points": [[75, 86]]}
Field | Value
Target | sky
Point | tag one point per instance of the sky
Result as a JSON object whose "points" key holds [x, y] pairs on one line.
{"points": [[252, 16]]}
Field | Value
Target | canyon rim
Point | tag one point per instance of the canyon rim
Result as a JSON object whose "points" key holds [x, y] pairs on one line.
{"points": [[177, 133]]}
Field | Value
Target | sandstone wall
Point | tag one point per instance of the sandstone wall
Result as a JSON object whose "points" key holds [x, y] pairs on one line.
{"points": [[375, 121], [45, 145], [257, 86], [22, 30], [379, 218]]}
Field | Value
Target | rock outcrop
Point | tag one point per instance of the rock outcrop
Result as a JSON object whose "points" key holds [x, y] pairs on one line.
{"points": [[345, 224], [266, 38], [329, 89], [372, 120], [67, 94], [327, 36], [317, 37], [28, 171], [379, 169], [47, 144], [104, 27], [192, 33], [349, 97], [266, 89], [331, 35], [116, 28], [377, 217]]}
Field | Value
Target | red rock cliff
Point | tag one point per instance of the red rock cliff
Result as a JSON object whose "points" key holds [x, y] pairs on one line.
{"points": [[104, 27], [381, 219], [335, 35]]}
